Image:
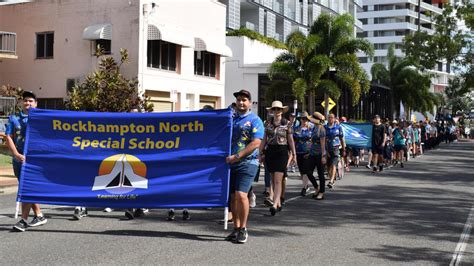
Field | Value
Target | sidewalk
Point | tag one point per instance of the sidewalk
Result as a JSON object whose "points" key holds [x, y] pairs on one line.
{"points": [[7, 178]]}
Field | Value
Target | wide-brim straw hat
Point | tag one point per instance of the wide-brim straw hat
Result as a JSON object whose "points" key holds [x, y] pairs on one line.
{"points": [[316, 117], [278, 104]]}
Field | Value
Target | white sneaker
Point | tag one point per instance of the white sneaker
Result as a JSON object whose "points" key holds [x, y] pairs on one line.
{"points": [[253, 200], [108, 210]]}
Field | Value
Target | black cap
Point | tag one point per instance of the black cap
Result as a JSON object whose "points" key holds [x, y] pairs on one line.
{"points": [[377, 116], [245, 93], [28, 94]]}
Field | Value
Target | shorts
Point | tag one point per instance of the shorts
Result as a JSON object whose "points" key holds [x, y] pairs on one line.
{"points": [[17, 168], [355, 152], [333, 156], [276, 158], [398, 148], [377, 149], [242, 176]]}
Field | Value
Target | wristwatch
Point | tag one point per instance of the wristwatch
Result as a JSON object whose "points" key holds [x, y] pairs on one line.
{"points": [[237, 156]]}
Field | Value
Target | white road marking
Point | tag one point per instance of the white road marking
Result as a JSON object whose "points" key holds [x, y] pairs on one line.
{"points": [[463, 240]]}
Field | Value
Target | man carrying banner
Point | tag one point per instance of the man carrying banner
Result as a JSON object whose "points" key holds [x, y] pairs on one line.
{"points": [[15, 133], [247, 133]]}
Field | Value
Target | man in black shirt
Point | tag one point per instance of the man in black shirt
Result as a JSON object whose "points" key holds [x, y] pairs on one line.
{"points": [[379, 137]]}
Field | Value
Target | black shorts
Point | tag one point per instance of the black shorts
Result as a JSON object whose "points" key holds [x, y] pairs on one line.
{"points": [[377, 149], [276, 158], [398, 148]]}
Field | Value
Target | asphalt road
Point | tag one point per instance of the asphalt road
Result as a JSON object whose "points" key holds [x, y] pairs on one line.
{"points": [[413, 215]]}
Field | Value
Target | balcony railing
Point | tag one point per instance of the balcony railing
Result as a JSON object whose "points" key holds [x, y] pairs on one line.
{"points": [[8, 42]]}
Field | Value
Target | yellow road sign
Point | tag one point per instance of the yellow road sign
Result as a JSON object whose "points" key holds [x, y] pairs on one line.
{"points": [[331, 104]]}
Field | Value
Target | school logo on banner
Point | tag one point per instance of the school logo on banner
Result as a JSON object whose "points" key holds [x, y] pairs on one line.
{"points": [[121, 173]]}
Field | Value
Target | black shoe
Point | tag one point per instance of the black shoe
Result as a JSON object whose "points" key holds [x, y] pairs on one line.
{"points": [[282, 201], [303, 192], [401, 165], [20, 226], [330, 184], [279, 209], [242, 236], [233, 235], [380, 168], [266, 194], [129, 214], [186, 215], [374, 169], [170, 215], [268, 202], [273, 211], [140, 212], [37, 221], [79, 213]]}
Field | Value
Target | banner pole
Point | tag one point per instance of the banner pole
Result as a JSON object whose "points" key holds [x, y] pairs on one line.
{"points": [[226, 216], [17, 209]]}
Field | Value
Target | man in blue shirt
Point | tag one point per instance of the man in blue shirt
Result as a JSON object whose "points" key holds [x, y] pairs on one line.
{"points": [[247, 133], [16, 133], [335, 141]]}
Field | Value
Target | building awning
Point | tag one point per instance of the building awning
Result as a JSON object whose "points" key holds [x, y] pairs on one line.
{"points": [[98, 32], [170, 35], [204, 45]]}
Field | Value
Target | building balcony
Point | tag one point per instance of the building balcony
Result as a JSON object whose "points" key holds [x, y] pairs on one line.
{"points": [[8, 45]]}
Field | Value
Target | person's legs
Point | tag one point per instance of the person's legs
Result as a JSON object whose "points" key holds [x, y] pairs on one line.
{"points": [[322, 179], [242, 206], [310, 171], [25, 210], [277, 179]]}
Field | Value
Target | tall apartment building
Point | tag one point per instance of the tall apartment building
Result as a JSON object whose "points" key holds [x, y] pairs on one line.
{"points": [[275, 19], [389, 21], [278, 18]]}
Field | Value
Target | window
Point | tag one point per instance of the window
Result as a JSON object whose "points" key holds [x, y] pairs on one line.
{"points": [[105, 45], [161, 54], [363, 60], [51, 103], [205, 64], [363, 34], [44, 45]]}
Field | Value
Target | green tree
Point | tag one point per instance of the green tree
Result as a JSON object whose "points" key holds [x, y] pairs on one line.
{"points": [[330, 47], [298, 66], [406, 82], [14, 92], [106, 90], [339, 47]]}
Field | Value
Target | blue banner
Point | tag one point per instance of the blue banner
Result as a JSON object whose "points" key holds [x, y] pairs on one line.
{"points": [[127, 160], [358, 135]]}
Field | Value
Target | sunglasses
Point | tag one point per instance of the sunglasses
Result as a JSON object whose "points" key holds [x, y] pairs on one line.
{"points": [[276, 108]]}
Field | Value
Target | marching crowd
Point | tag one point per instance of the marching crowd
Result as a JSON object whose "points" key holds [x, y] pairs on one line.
{"points": [[275, 145]]}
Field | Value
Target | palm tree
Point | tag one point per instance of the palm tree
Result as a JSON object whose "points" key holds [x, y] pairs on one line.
{"points": [[309, 61], [407, 83], [339, 46], [298, 65]]}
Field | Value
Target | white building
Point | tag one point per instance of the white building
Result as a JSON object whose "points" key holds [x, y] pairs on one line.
{"points": [[389, 21], [177, 50], [248, 66]]}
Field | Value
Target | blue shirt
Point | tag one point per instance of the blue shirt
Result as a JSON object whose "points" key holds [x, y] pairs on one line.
{"points": [[16, 128], [333, 135], [246, 128], [399, 136], [302, 137]]}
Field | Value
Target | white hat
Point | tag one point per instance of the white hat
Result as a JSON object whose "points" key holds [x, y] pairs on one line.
{"points": [[278, 104]]}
